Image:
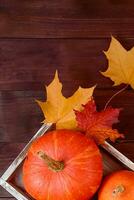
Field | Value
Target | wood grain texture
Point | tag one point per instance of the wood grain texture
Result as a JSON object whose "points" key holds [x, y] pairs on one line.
{"points": [[29, 64], [36, 38], [66, 19]]}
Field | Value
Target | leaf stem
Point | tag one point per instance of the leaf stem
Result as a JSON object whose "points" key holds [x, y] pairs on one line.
{"points": [[115, 95]]}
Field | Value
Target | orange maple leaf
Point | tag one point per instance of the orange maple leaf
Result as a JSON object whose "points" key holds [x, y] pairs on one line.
{"points": [[98, 125]]}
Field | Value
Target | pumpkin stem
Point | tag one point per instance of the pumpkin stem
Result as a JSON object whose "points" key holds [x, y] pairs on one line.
{"points": [[54, 165], [118, 190]]}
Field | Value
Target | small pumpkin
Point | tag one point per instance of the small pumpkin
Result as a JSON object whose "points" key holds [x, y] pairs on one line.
{"points": [[118, 186], [62, 165]]}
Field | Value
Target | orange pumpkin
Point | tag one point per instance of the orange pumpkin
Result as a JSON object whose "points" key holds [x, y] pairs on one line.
{"points": [[62, 165], [118, 186]]}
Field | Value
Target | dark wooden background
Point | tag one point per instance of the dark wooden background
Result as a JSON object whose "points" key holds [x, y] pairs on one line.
{"points": [[39, 36]]}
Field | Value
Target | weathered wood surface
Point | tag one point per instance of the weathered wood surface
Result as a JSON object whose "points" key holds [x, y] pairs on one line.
{"points": [[38, 37], [29, 64], [66, 19]]}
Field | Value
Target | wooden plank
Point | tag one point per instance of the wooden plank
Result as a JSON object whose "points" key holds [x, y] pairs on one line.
{"points": [[10, 150], [4, 195], [7, 198], [12, 126], [28, 64], [20, 116], [66, 19], [5, 162]]}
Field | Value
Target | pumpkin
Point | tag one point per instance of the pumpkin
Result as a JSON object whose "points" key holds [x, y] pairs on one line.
{"points": [[118, 186], [62, 165]]}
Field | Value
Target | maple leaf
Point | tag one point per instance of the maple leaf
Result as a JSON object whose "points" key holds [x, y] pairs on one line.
{"points": [[98, 125], [59, 109], [121, 64]]}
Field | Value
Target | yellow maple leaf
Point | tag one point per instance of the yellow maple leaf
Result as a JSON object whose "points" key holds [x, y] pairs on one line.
{"points": [[59, 109], [121, 64]]}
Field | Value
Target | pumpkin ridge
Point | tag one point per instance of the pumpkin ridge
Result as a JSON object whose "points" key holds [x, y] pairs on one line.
{"points": [[63, 183], [71, 177], [79, 155]]}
